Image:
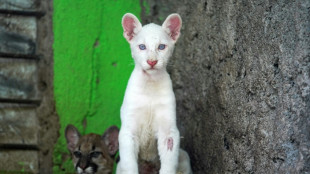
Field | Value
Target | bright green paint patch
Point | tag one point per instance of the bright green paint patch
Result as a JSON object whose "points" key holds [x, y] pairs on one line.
{"points": [[92, 64]]}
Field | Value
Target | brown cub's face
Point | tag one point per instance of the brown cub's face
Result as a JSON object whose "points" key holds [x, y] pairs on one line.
{"points": [[92, 153]]}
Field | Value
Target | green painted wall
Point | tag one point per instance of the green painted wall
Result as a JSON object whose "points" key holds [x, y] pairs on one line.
{"points": [[92, 64]]}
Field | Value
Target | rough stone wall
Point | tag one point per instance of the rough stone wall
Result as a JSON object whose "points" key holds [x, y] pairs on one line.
{"points": [[48, 118], [241, 78], [28, 121]]}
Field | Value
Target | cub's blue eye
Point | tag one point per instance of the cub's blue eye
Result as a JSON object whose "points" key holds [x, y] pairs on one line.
{"points": [[142, 47], [161, 46]]}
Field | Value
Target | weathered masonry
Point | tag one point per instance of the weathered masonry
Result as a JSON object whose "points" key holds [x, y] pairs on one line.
{"points": [[26, 100]]}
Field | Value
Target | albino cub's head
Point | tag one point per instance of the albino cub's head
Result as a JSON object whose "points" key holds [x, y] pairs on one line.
{"points": [[92, 153], [151, 45]]}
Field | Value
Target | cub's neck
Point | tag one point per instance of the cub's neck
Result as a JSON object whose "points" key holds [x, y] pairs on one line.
{"points": [[150, 76]]}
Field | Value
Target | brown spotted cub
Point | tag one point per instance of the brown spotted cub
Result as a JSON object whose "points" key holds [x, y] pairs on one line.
{"points": [[92, 153]]}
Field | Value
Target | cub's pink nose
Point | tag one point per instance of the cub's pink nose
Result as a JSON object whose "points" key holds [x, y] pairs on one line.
{"points": [[152, 63]]}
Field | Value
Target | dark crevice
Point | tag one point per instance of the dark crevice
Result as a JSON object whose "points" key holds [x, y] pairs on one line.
{"points": [[277, 159], [22, 13], [196, 35], [20, 56], [18, 147], [155, 10], [21, 101], [205, 5], [226, 143]]}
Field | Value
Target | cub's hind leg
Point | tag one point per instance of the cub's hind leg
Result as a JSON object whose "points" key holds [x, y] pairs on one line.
{"points": [[184, 166]]}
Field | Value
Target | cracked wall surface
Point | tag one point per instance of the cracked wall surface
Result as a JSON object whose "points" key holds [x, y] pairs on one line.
{"points": [[241, 78]]}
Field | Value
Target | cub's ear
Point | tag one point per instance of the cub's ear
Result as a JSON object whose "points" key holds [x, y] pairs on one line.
{"points": [[72, 137], [131, 26], [172, 26], [110, 138]]}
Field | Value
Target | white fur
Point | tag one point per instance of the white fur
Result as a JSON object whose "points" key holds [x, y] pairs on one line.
{"points": [[88, 170], [148, 113]]}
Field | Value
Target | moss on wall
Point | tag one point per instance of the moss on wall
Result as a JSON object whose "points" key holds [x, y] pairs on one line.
{"points": [[92, 64]]}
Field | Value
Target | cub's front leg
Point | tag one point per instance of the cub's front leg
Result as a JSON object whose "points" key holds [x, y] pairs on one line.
{"points": [[168, 141], [128, 151]]}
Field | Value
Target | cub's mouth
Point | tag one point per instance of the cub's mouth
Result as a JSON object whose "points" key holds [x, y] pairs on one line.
{"points": [[150, 70]]}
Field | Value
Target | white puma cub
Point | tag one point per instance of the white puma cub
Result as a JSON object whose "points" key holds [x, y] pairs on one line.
{"points": [[149, 139]]}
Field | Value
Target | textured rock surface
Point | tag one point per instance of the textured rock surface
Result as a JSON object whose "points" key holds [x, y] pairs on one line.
{"points": [[25, 161], [28, 121], [241, 78], [18, 34], [48, 118]]}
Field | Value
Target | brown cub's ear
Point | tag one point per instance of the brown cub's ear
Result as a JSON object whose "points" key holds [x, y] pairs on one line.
{"points": [[110, 138], [72, 137]]}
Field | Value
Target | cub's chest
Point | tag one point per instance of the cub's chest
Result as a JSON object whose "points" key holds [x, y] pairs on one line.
{"points": [[147, 141]]}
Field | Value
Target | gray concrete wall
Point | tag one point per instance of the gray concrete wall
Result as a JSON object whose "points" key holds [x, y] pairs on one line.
{"points": [[241, 77], [28, 121]]}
